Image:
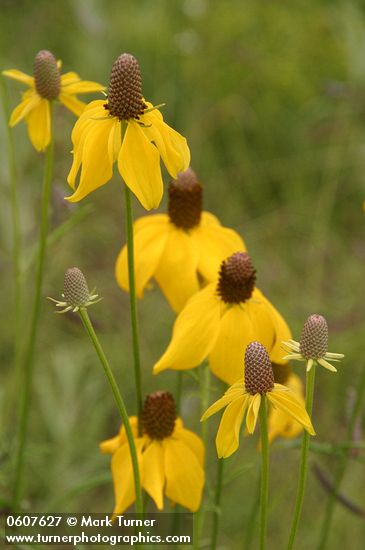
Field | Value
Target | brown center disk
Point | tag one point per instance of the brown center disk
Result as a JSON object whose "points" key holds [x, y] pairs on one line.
{"points": [[185, 200], [159, 415], [314, 338], [259, 377], [47, 78], [237, 278], [125, 99]]}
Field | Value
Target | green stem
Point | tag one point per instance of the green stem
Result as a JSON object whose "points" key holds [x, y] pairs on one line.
{"points": [[28, 365], [341, 468], [15, 233], [133, 300], [264, 487], [178, 391], [217, 503], [204, 387], [120, 404], [304, 459]]}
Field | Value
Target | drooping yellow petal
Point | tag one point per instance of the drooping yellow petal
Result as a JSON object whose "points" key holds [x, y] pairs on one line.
{"points": [[253, 412], [176, 272], [184, 475], [288, 402], [261, 319], [97, 166], [192, 440], [228, 435], [72, 103], [226, 360], [92, 114], [194, 333], [19, 76], [30, 100], [153, 472], [79, 86], [172, 146], [39, 125], [69, 78], [139, 166], [149, 244], [228, 397], [215, 243], [109, 446], [282, 333], [122, 472]]}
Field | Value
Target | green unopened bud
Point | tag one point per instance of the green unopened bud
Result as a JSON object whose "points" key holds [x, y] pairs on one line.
{"points": [[314, 339], [47, 76], [76, 292]]}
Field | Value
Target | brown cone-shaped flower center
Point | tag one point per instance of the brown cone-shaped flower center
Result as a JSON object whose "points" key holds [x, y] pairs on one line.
{"points": [[281, 372], [125, 99], [159, 415], [47, 76], [75, 289], [185, 200], [237, 278], [259, 377], [314, 339]]}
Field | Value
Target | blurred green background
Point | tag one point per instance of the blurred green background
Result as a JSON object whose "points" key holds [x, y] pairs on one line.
{"points": [[271, 97]]}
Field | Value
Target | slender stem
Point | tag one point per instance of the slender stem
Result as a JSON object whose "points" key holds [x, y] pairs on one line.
{"points": [[204, 388], [304, 459], [250, 528], [15, 231], [120, 404], [132, 298], [178, 390], [28, 365], [217, 503], [326, 525], [264, 487]]}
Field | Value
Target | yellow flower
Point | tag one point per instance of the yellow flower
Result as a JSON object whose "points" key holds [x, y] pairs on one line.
{"points": [[313, 345], [170, 458], [181, 250], [47, 85], [280, 423], [244, 397], [129, 130], [219, 321]]}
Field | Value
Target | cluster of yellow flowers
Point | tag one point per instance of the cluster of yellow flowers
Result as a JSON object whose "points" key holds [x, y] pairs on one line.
{"points": [[201, 267]]}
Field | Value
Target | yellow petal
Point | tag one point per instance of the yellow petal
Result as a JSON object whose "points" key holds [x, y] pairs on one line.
{"points": [[176, 273], [198, 323], [282, 333], [39, 125], [215, 244], [288, 402], [253, 412], [97, 166], [30, 100], [92, 112], [184, 474], [228, 435], [149, 244], [228, 397], [123, 479], [79, 86], [282, 425], [226, 359], [109, 446], [262, 321], [19, 76], [139, 166], [72, 103], [153, 472], [69, 78], [192, 441], [172, 146]]}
